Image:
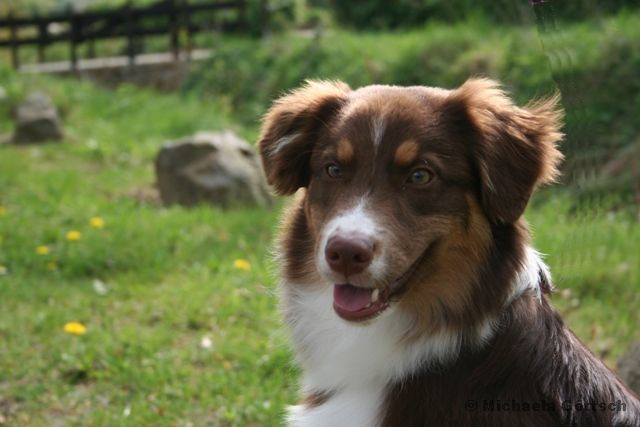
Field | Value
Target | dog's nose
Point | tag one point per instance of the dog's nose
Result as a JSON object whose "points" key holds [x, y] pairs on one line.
{"points": [[348, 255]]}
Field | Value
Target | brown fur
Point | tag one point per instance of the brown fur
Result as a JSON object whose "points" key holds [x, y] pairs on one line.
{"points": [[316, 399], [442, 299], [535, 360], [515, 146], [301, 115]]}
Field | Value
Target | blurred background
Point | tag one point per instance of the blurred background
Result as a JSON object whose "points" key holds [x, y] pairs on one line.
{"points": [[136, 280]]}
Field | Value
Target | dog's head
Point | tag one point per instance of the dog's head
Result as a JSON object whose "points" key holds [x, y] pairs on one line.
{"points": [[403, 186]]}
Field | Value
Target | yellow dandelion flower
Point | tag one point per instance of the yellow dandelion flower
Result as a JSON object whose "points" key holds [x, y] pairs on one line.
{"points": [[73, 235], [242, 264], [75, 328], [52, 266], [3, 210], [3, 270], [96, 222], [42, 250]]}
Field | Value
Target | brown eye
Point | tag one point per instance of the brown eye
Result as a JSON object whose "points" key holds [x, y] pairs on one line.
{"points": [[420, 176], [333, 171]]}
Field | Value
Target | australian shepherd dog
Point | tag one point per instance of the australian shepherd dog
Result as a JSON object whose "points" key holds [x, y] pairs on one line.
{"points": [[409, 285]]}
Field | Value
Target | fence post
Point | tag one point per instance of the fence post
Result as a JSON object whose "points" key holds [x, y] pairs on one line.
{"points": [[264, 17], [91, 42], [43, 37], [13, 30], [174, 30], [130, 23], [242, 15], [74, 38], [128, 20], [91, 48], [186, 14]]}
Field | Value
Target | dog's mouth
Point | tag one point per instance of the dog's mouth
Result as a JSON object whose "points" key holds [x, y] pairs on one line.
{"points": [[357, 303]]}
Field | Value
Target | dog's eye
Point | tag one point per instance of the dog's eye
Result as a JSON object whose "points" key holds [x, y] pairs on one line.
{"points": [[420, 176], [333, 170]]}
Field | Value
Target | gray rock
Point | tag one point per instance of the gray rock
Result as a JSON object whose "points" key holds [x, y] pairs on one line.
{"points": [[629, 367], [211, 167], [37, 120]]}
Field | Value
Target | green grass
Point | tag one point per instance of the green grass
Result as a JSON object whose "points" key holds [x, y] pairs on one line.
{"points": [[593, 255], [171, 280], [169, 273]]}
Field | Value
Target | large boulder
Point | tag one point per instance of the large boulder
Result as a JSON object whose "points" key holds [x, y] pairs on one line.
{"points": [[37, 120], [629, 367], [211, 167]]}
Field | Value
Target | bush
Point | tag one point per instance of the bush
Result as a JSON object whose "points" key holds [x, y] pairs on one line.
{"points": [[436, 55], [385, 14]]}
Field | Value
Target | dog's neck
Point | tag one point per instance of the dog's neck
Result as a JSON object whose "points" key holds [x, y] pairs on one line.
{"points": [[527, 356], [353, 366], [532, 359]]}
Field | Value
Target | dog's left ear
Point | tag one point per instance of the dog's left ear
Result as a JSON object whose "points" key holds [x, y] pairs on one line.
{"points": [[514, 148]]}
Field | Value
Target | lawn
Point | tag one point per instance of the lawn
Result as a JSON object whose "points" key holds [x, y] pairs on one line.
{"points": [[176, 332], [180, 330]]}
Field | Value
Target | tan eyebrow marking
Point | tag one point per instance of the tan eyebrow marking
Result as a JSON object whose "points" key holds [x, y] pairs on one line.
{"points": [[406, 153], [345, 151]]}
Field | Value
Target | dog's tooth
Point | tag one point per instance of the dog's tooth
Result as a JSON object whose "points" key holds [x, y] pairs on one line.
{"points": [[374, 295]]}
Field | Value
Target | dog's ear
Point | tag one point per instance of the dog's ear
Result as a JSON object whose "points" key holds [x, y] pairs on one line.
{"points": [[290, 130], [514, 148]]}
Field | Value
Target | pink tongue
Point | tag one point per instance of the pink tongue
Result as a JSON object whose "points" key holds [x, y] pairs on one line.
{"points": [[351, 298]]}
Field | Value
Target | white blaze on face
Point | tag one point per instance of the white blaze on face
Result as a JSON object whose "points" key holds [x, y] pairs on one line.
{"points": [[356, 221], [378, 126]]}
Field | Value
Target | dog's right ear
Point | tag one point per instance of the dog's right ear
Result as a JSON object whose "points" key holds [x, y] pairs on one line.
{"points": [[290, 130]]}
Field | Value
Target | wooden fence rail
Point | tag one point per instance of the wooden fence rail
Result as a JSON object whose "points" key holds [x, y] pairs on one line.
{"points": [[167, 17]]}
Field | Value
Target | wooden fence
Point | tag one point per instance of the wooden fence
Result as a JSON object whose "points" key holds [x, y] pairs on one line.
{"points": [[168, 17]]}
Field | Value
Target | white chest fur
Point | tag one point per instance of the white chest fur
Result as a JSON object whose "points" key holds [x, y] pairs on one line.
{"points": [[355, 362], [351, 407]]}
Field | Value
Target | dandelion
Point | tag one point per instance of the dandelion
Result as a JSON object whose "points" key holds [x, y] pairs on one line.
{"points": [[96, 222], [3, 210], [75, 328], [227, 365], [73, 235], [242, 264], [3, 270], [42, 250]]}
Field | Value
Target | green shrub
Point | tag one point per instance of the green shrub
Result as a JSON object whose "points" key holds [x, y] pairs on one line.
{"points": [[594, 63], [385, 14], [248, 74]]}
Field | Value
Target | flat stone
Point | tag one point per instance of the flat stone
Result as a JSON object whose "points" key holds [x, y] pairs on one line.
{"points": [[217, 168]]}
